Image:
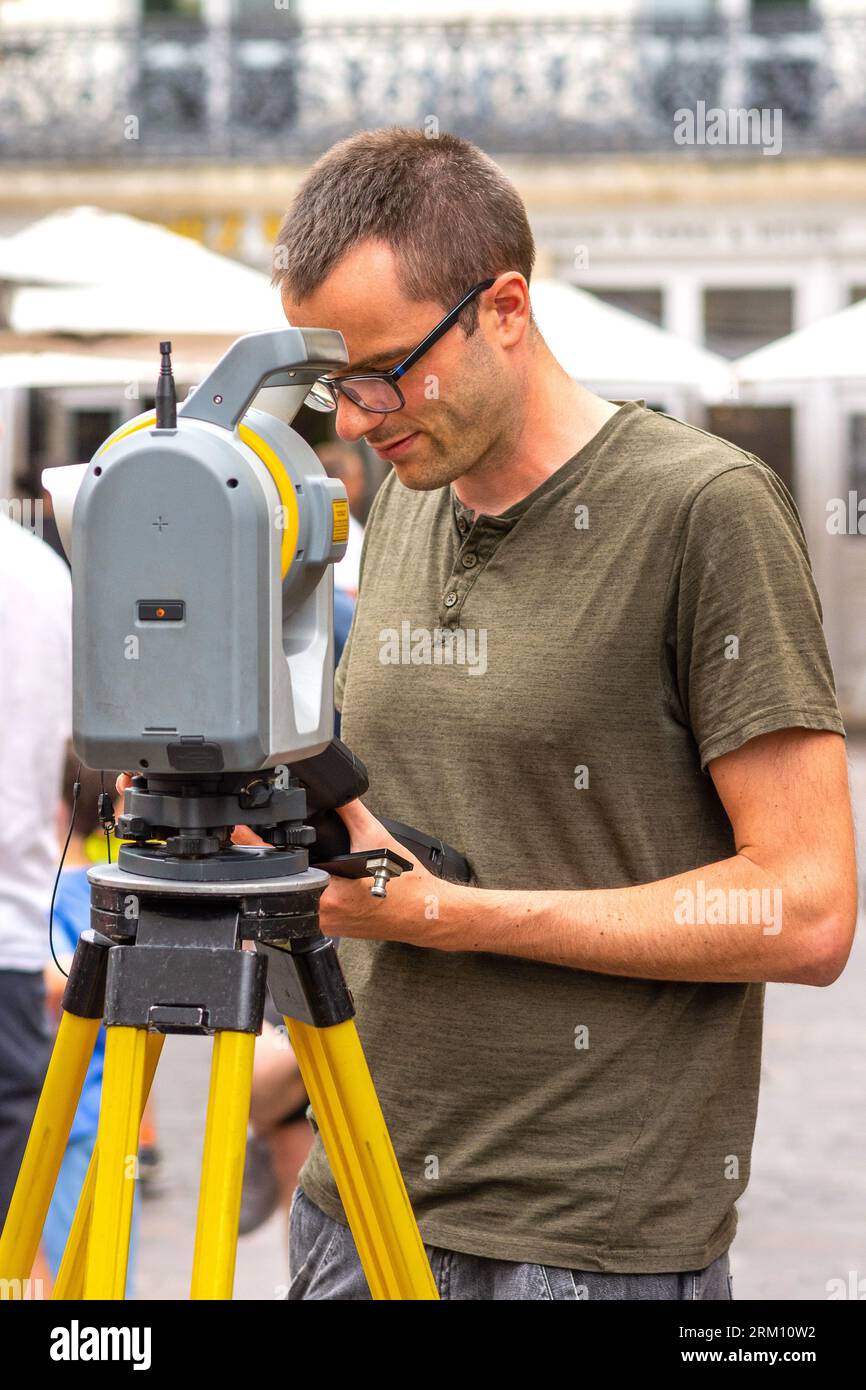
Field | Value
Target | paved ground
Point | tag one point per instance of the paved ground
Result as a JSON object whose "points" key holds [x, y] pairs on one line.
{"points": [[803, 1218]]}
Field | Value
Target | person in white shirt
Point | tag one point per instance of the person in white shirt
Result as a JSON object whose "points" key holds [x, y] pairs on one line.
{"points": [[35, 724]]}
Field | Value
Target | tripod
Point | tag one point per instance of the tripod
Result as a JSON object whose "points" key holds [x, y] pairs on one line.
{"points": [[168, 951]]}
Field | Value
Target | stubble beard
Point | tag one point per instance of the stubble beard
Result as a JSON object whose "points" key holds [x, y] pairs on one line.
{"points": [[467, 440]]}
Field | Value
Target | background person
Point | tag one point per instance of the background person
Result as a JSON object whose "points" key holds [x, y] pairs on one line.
{"points": [[35, 723]]}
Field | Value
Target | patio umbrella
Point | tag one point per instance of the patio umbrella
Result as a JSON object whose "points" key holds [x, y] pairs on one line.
{"points": [[118, 274], [597, 343]]}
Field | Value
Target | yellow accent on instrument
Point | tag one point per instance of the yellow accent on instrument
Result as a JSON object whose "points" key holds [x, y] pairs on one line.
{"points": [[285, 487], [141, 422], [340, 531]]}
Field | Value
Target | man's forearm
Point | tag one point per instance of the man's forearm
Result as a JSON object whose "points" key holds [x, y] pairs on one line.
{"points": [[726, 922]]}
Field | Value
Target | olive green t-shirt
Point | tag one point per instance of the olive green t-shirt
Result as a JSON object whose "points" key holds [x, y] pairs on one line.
{"points": [[544, 689]]}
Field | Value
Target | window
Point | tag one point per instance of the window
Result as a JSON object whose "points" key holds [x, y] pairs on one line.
{"points": [[179, 9], [763, 430], [787, 7], [737, 321], [857, 455], [88, 429], [645, 304], [785, 68]]}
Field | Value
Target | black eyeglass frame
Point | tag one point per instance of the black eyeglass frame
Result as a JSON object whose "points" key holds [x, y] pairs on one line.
{"points": [[335, 384]]}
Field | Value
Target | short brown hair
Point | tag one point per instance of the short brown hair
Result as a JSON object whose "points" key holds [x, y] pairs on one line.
{"points": [[447, 210]]}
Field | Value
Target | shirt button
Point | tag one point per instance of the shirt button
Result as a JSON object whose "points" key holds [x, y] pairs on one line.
{"points": [[450, 599], [461, 523], [469, 561]]}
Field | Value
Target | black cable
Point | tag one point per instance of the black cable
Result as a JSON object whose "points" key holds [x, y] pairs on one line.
{"points": [[106, 817], [76, 792], [106, 814]]}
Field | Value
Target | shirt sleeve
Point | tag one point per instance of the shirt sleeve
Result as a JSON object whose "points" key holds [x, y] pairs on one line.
{"points": [[750, 652]]}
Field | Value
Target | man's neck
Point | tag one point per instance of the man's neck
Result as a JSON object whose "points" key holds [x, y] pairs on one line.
{"points": [[560, 419]]}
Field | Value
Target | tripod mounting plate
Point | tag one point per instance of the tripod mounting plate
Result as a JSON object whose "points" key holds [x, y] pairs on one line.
{"points": [[251, 863], [112, 876]]}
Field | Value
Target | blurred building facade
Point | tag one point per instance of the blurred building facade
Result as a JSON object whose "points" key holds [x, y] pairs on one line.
{"points": [[701, 163]]}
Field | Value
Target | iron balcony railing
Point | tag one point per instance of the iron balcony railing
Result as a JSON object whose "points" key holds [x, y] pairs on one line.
{"points": [[565, 88]]}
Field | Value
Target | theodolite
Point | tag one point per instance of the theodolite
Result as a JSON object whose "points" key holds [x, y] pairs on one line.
{"points": [[202, 539]]}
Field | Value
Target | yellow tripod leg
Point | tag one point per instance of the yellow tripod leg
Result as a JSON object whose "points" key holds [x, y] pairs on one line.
{"points": [[117, 1141], [362, 1160], [222, 1172], [73, 1048], [70, 1276]]}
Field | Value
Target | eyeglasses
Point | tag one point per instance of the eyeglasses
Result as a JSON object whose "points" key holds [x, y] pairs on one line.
{"points": [[378, 391]]}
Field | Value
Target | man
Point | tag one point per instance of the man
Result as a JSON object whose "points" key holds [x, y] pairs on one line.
{"points": [[587, 652], [35, 723]]}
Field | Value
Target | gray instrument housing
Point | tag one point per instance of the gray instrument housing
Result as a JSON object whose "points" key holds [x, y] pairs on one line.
{"points": [[243, 680]]}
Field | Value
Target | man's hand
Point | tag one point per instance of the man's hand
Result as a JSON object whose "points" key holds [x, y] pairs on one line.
{"points": [[415, 902]]}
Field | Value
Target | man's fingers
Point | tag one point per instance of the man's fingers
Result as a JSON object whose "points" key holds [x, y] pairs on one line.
{"points": [[366, 832], [242, 835]]}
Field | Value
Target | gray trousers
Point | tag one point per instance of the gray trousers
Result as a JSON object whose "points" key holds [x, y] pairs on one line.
{"points": [[323, 1263]]}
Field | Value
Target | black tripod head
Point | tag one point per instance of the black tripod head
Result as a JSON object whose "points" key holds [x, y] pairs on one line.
{"points": [[180, 825]]}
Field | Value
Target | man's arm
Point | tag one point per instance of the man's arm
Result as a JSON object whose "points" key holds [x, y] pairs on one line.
{"points": [[782, 908], [786, 796]]}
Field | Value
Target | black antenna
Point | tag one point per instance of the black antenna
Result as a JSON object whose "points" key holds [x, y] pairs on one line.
{"points": [[166, 396]]}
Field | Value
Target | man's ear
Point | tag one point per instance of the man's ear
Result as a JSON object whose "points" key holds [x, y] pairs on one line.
{"points": [[513, 308]]}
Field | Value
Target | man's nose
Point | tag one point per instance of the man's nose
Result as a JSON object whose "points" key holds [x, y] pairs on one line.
{"points": [[352, 423]]}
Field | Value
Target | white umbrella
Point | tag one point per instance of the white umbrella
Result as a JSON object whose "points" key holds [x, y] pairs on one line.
{"points": [[832, 348], [123, 275], [41, 369], [20, 266], [595, 342]]}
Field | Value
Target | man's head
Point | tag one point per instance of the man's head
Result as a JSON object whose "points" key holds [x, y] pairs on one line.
{"points": [[388, 232]]}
